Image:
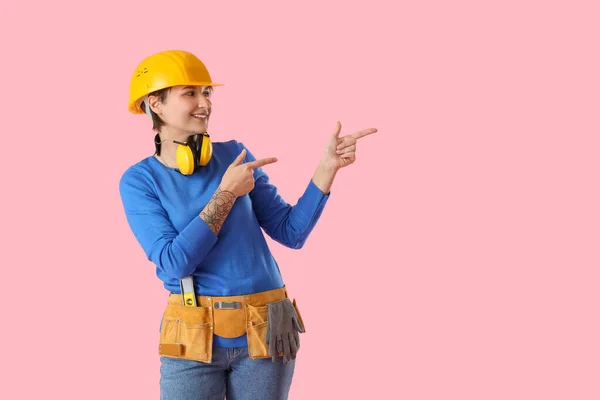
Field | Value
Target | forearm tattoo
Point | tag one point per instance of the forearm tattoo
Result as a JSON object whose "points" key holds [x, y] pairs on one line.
{"points": [[217, 209]]}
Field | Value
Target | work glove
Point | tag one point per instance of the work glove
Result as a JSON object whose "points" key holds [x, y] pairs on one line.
{"points": [[283, 326]]}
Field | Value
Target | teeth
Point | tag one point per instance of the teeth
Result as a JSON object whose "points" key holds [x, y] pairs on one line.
{"points": [[199, 115]]}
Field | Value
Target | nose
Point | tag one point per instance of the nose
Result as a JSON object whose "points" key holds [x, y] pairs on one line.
{"points": [[204, 102]]}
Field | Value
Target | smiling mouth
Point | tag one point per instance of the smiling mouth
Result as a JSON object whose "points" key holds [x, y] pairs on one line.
{"points": [[200, 116]]}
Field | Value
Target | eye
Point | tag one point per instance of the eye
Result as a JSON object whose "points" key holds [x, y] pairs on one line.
{"points": [[190, 93], [207, 93]]}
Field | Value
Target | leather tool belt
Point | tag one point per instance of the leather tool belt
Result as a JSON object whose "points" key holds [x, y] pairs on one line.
{"points": [[187, 332]]}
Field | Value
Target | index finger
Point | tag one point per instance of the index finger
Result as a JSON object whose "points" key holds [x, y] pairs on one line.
{"points": [[261, 162], [363, 133]]}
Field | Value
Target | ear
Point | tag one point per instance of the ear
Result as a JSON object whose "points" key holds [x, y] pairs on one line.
{"points": [[155, 104]]}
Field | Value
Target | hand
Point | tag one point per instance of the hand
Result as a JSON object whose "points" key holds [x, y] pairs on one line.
{"points": [[341, 151], [239, 178]]}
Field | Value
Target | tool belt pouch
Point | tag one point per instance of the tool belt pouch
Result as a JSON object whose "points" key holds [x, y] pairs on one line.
{"points": [[186, 332], [230, 317], [257, 319]]}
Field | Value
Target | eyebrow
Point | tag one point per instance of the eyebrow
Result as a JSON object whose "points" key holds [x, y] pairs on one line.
{"points": [[196, 87]]}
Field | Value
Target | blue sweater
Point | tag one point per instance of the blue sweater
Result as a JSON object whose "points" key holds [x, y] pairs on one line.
{"points": [[163, 206]]}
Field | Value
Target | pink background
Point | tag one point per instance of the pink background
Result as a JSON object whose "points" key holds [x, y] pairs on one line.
{"points": [[457, 259]]}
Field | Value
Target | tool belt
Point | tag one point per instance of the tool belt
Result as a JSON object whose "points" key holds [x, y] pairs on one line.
{"points": [[187, 332]]}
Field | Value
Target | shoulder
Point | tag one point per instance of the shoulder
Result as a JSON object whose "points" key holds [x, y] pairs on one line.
{"points": [[231, 145], [140, 174], [228, 150]]}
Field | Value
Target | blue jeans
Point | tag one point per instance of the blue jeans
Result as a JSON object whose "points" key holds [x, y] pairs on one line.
{"points": [[232, 373]]}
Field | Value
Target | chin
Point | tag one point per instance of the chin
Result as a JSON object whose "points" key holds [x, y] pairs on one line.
{"points": [[201, 125]]}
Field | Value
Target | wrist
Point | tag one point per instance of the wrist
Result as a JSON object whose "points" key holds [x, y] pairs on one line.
{"points": [[324, 176], [327, 167], [226, 189]]}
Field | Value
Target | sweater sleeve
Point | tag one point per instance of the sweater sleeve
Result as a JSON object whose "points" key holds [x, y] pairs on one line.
{"points": [[176, 254], [286, 224]]}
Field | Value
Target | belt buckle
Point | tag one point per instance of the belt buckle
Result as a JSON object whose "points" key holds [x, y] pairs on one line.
{"points": [[227, 305]]}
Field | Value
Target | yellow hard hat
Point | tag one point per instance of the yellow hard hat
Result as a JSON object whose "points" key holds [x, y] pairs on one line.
{"points": [[166, 69]]}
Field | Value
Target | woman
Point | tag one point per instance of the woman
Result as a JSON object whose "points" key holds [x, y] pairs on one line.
{"points": [[197, 209]]}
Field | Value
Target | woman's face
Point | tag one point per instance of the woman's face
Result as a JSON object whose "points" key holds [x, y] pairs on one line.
{"points": [[187, 108]]}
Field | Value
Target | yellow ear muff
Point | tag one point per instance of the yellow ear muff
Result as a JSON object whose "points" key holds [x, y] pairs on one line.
{"points": [[185, 159], [206, 150]]}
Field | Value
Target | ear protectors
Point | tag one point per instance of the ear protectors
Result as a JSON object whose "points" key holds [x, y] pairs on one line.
{"points": [[190, 155], [195, 153]]}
